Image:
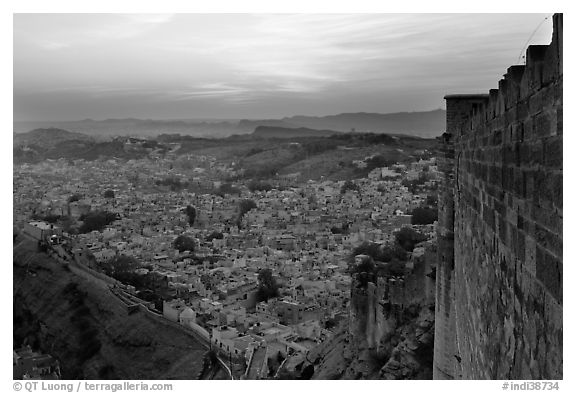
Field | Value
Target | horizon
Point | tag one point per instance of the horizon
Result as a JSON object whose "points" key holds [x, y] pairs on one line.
{"points": [[71, 67], [207, 120]]}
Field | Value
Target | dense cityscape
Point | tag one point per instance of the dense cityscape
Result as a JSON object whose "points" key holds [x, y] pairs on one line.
{"points": [[256, 197], [246, 265]]}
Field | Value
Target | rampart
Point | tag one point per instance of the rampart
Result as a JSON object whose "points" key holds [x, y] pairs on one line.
{"points": [[499, 273]]}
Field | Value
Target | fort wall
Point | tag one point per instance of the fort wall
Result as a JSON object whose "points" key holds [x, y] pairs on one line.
{"points": [[499, 275]]}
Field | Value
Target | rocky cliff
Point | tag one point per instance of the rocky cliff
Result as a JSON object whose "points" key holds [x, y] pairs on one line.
{"points": [[391, 328]]}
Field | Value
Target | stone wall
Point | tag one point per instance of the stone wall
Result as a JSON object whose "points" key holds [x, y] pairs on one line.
{"points": [[499, 276]]}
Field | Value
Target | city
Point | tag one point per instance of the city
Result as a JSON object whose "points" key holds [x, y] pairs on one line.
{"points": [[254, 197]]}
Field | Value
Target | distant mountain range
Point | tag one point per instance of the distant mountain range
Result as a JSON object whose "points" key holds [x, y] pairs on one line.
{"points": [[423, 124], [284, 132]]}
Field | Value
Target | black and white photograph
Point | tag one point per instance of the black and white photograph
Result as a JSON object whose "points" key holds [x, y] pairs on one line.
{"points": [[286, 196]]}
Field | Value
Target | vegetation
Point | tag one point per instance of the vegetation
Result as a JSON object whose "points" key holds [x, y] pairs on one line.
{"points": [[267, 286], [263, 171], [121, 268], [432, 200], [191, 213], [184, 243], [96, 221], [227, 189], [51, 218], [407, 238], [386, 260], [245, 206], [424, 216], [214, 235], [74, 198], [378, 161], [320, 146], [340, 230], [381, 253], [175, 184], [256, 185], [349, 185]]}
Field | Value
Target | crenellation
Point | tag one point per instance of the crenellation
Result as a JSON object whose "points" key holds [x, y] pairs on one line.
{"points": [[506, 209]]}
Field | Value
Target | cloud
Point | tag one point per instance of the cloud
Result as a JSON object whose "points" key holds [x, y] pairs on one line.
{"points": [[53, 45], [271, 63]]}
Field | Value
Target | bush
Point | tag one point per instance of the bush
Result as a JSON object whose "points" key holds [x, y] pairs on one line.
{"points": [[245, 206], [256, 185], [267, 286], [74, 198], [184, 243], [424, 216], [51, 218], [227, 189], [378, 161], [349, 185], [407, 238], [214, 235], [96, 221], [109, 194]]}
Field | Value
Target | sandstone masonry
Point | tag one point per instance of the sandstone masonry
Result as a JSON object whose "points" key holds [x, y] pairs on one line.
{"points": [[499, 274]]}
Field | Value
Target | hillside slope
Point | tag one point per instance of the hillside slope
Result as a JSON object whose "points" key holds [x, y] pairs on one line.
{"points": [[85, 327], [48, 138], [424, 124], [285, 132]]}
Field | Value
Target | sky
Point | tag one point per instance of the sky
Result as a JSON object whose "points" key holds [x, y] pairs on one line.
{"points": [[232, 66]]}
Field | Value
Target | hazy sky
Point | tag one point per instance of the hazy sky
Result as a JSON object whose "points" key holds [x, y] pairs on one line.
{"points": [[76, 66]]}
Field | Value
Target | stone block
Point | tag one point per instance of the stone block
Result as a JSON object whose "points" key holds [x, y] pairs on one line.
{"points": [[553, 152], [549, 273], [559, 121], [542, 125]]}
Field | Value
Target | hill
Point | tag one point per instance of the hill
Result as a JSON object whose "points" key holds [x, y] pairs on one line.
{"points": [[284, 132], [424, 124], [48, 138], [106, 129], [55, 143], [86, 328]]}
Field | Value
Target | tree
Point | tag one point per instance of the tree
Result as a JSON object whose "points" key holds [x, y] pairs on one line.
{"points": [[432, 200], [227, 188], [245, 206], [378, 161], [191, 213], [96, 221], [391, 252], [367, 248], [349, 185], [267, 286], [122, 266], [407, 238], [424, 216], [214, 235], [109, 194], [184, 243], [51, 218], [256, 185], [74, 198]]}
